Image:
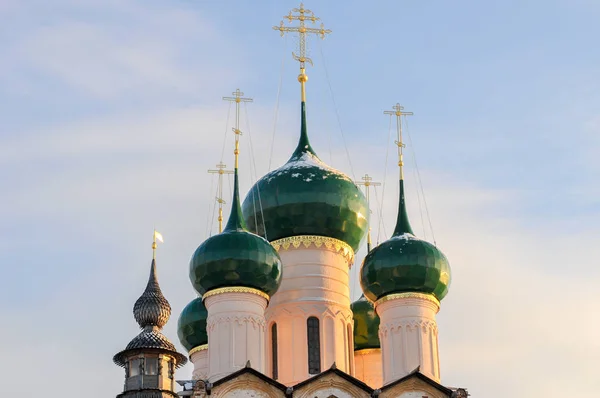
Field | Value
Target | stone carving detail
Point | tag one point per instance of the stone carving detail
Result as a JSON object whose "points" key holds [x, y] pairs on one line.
{"points": [[307, 241], [255, 321], [424, 326]]}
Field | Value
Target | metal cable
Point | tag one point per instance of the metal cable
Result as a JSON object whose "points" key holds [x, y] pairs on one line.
{"points": [[226, 131], [421, 184], [262, 216], [275, 117], [337, 114], [387, 153]]}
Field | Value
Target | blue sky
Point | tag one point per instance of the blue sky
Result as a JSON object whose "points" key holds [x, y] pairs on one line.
{"points": [[111, 113]]}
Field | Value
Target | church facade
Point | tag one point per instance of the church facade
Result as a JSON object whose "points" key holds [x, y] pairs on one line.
{"points": [[274, 317]]}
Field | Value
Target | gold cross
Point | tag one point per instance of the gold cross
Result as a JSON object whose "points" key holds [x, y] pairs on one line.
{"points": [[220, 171], [398, 111], [237, 98], [367, 182], [303, 16]]}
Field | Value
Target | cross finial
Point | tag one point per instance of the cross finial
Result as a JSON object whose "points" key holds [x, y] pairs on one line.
{"points": [[221, 170], [398, 111], [367, 182], [303, 15], [238, 97]]}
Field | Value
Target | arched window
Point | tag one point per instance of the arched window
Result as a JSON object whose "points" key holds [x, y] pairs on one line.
{"points": [[314, 345], [350, 349], [274, 350]]}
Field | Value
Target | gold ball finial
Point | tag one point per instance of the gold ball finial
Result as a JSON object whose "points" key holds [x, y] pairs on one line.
{"points": [[302, 77]]}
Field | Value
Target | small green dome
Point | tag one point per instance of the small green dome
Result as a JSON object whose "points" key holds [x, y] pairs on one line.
{"points": [[191, 327], [235, 257], [404, 263], [307, 197], [366, 325]]}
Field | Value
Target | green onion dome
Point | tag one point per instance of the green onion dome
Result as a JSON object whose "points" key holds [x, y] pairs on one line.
{"points": [[366, 324], [307, 197], [404, 263], [235, 257], [191, 327]]}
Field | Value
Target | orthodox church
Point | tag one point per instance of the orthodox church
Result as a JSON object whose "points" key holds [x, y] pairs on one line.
{"points": [[274, 317]]}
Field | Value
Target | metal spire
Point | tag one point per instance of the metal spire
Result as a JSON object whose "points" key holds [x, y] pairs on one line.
{"points": [[236, 221], [367, 182], [237, 98], [220, 171], [302, 16], [399, 112]]}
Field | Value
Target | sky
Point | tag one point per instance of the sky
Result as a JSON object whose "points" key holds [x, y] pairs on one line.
{"points": [[111, 115]]}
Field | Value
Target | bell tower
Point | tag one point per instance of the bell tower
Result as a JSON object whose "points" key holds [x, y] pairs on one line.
{"points": [[150, 359]]}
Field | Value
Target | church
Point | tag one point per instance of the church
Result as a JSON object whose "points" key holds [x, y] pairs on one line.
{"points": [[273, 316]]}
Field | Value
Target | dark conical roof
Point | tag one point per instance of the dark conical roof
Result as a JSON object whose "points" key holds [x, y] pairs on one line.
{"points": [[151, 311], [152, 308]]}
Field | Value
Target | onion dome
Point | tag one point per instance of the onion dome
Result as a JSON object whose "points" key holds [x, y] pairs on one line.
{"points": [[404, 263], [366, 324], [152, 308], [191, 327], [307, 197], [151, 311], [235, 257]]}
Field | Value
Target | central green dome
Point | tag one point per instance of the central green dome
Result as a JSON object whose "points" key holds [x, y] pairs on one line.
{"points": [[307, 197], [235, 257]]}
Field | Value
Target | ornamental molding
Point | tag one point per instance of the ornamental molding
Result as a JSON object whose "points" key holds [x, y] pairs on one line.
{"points": [[408, 325], [330, 385], [415, 385], [254, 320], [235, 289], [408, 295], [332, 244], [367, 351], [197, 349]]}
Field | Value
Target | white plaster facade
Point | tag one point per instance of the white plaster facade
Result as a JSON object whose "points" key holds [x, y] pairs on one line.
{"points": [[236, 332], [200, 360], [315, 283], [409, 335], [367, 367]]}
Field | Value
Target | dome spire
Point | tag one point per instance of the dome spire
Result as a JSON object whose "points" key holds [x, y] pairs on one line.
{"points": [[236, 220], [152, 308], [302, 16], [402, 224]]}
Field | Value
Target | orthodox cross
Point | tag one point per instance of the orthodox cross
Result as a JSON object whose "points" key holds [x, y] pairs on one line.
{"points": [[302, 15], [367, 182], [220, 171], [237, 98], [398, 110]]}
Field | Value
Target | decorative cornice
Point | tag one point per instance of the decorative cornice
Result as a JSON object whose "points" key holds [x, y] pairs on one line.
{"points": [[313, 240], [409, 295], [366, 351], [235, 289], [197, 349]]}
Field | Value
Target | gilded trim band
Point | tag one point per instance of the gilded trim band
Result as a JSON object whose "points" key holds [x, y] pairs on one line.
{"points": [[197, 349], [318, 241], [366, 351], [235, 289], [413, 295]]}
